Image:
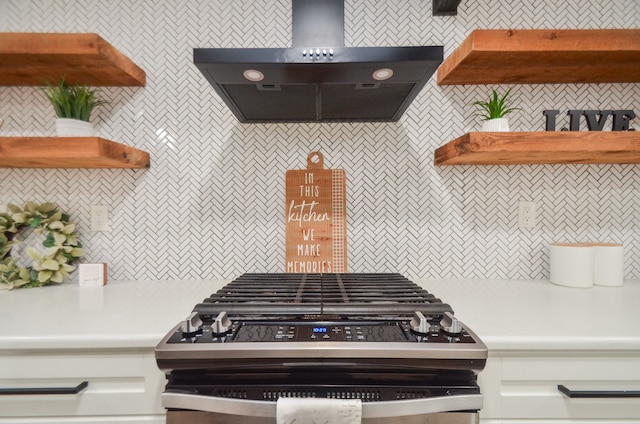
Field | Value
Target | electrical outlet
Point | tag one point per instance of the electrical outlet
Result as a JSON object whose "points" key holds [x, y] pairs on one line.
{"points": [[526, 214], [99, 218]]}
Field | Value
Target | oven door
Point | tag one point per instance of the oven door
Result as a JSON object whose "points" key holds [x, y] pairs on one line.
{"points": [[199, 409], [392, 394]]}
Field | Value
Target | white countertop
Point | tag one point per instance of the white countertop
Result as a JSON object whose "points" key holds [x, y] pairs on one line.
{"points": [[122, 314], [506, 314], [538, 315]]}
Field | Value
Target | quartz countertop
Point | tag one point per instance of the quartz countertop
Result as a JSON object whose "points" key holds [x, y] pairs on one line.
{"points": [[121, 314], [537, 315], [506, 314]]}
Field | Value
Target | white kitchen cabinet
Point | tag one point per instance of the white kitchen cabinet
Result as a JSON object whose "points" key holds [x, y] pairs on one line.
{"points": [[123, 387], [60, 336], [539, 335], [522, 387]]}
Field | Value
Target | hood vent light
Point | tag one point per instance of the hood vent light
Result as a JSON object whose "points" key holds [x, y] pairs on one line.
{"points": [[382, 74], [253, 75]]}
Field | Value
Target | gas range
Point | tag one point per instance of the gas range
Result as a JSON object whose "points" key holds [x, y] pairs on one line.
{"points": [[310, 316], [376, 337]]}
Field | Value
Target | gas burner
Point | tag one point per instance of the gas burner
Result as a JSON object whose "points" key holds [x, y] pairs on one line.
{"points": [[346, 295]]}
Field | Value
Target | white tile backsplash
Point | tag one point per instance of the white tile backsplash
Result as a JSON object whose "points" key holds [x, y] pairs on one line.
{"points": [[212, 203]]}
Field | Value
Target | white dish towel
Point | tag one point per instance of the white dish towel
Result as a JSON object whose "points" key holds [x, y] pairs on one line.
{"points": [[318, 411]]}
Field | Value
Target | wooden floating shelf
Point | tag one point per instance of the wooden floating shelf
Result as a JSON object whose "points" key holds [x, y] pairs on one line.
{"points": [[69, 152], [31, 59], [544, 147], [544, 57]]}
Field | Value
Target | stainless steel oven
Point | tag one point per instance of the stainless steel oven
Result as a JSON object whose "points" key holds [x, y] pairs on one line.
{"points": [[378, 338]]}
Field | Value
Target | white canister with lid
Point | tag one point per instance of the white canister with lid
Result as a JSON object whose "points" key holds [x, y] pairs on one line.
{"points": [[608, 264], [571, 264]]}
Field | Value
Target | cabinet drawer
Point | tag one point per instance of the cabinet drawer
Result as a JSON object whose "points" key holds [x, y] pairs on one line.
{"points": [[138, 419], [529, 387], [118, 384]]}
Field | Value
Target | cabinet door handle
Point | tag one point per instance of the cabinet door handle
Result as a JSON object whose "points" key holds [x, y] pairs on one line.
{"points": [[45, 390], [597, 393]]}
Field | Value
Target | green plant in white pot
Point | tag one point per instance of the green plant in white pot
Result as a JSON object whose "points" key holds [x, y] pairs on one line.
{"points": [[494, 112], [73, 105]]}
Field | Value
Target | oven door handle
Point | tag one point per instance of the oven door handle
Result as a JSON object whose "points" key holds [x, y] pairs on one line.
{"points": [[383, 409]]}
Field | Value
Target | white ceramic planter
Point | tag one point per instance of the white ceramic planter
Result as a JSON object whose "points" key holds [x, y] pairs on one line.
{"points": [[496, 125], [74, 128]]}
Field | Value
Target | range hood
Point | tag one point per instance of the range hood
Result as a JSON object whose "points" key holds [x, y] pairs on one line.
{"points": [[318, 79]]}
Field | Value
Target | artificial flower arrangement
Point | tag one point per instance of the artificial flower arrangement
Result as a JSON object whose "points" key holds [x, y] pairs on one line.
{"points": [[62, 248]]}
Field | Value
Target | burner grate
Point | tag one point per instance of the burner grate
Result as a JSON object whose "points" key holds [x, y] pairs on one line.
{"points": [[347, 294]]}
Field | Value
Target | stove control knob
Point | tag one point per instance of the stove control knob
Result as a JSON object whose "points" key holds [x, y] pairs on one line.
{"points": [[450, 324], [221, 325], [419, 323], [191, 325]]}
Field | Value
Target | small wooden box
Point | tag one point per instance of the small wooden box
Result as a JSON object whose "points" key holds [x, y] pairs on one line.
{"points": [[91, 275]]}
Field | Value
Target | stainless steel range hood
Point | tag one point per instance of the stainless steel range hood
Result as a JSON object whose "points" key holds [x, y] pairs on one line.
{"points": [[318, 79]]}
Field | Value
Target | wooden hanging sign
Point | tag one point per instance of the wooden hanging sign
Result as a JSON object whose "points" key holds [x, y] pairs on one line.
{"points": [[316, 218]]}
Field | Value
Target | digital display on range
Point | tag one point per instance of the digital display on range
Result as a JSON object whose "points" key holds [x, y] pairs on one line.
{"points": [[319, 330]]}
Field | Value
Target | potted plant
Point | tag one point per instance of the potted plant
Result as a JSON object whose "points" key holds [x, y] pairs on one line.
{"points": [[494, 112], [73, 105]]}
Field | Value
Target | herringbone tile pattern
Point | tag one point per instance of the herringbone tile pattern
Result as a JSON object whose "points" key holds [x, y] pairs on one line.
{"points": [[212, 204]]}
